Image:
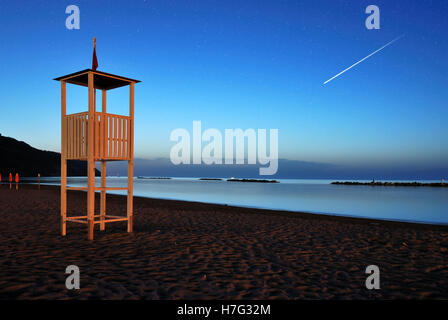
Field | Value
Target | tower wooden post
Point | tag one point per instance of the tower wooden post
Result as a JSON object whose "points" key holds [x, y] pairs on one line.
{"points": [[63, 160], [131, 158], [103, 163], [91, 159]]}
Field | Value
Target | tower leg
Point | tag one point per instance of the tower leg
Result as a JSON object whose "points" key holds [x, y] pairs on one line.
{"points": [[91, 198], [63, 161], [91, 159], [130, 198], [63, 196], [103, 196], [90, 227], [130, 203], [103, 144]]}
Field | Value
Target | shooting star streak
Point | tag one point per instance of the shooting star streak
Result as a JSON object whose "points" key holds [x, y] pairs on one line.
{"points": [[387, 44]]}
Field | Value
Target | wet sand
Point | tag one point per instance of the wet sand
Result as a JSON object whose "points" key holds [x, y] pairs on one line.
{"points": [[187, 250]]}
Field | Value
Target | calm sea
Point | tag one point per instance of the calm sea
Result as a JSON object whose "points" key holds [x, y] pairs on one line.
{"points": [[416, 204]]}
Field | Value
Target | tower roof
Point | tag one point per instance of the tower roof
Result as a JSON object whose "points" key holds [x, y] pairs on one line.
{"points": [[101, 80]]}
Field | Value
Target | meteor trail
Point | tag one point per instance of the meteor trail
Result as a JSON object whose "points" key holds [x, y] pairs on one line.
{"points": [[387, 44]]}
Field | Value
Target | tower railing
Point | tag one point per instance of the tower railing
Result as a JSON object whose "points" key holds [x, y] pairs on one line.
{"points": [[111, 136]]}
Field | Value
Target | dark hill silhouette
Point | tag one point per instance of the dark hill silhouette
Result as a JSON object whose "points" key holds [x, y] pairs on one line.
{"points": [[19, 157]]}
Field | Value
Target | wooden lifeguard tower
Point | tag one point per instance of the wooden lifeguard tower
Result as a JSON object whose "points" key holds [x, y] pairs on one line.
{"points": [[96, 136]]}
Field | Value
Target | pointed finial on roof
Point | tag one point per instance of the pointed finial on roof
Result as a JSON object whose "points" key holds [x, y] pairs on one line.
{"points": [[94, 60]]}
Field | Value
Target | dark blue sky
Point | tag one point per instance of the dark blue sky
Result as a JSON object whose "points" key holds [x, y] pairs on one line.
{"points": [[241, 64]]}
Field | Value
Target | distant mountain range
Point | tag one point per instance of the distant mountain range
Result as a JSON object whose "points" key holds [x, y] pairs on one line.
{"points": [[19, 157]]}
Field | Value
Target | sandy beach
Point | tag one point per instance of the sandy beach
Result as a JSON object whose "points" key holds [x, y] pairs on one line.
{"points": [[186, 250]]}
